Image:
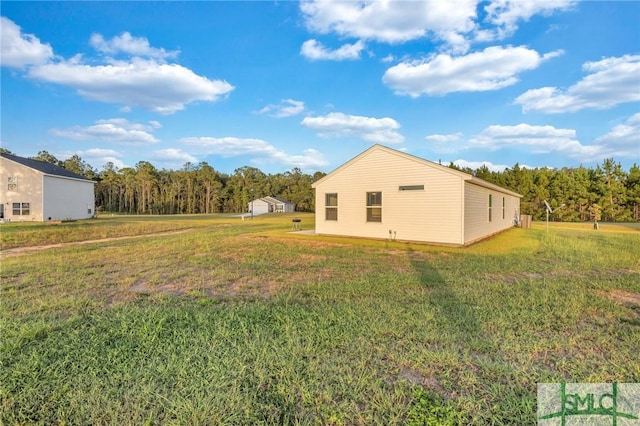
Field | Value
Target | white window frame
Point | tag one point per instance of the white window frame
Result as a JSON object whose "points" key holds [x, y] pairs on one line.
{"points": [[328, 207], [22, 209], [374, 205]]}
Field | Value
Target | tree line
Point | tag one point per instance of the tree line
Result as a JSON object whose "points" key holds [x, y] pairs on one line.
{"points": [[606, 192], [195, 188]]}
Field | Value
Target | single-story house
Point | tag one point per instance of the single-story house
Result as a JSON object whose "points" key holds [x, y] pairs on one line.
{"points": [[37, 191], [388, 194], [270, 205]]}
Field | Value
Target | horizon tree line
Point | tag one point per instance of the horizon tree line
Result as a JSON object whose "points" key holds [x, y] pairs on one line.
{"points": [[606, 192]]}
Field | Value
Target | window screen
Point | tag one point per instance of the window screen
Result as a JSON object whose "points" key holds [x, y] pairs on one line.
{"points": [[331, 206], [374, 206]]}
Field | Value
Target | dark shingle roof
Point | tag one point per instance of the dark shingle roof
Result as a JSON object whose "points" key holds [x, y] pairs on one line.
{"points": [[41, 166], [281, 200]]}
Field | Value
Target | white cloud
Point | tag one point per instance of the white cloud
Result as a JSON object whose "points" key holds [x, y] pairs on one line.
{"points": [[540, 139], [311, 159], [102, 157], [454, 24], [611, 81], [622, 141], [336, 124], [145, 80], [444, 144], [393, 21], [474, 165], [260, 150], [99, 152], [453, 137], [505, 14], [126, 43], [387, 59], [286, 108], [173, 157], [18, 50], [491, 69], [163, 88], [115, 130], [315, 51], [230, 146]]}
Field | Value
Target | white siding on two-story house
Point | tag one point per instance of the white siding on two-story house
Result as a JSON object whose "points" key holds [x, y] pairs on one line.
{"points": [[66, 198], [20, 185], [43, 191]]}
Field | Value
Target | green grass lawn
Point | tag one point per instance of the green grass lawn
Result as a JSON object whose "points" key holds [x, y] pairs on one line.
{"points": [[240, 322]]}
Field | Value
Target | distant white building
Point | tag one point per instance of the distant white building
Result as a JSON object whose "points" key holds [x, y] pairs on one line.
{"points": [[270, 205], [384, 193], [37, 191]]}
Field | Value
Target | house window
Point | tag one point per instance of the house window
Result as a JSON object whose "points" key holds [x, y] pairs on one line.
{"points": [[331, 206], [12, 183], [503, 208], [490, 206], [20, 209], [374, 206]]}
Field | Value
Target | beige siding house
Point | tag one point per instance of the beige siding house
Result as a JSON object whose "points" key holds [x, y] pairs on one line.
{"points": [[38, 191], [388, 194]]}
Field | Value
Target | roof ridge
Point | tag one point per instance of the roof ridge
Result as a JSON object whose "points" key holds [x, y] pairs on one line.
{"points": [[43, 167]]}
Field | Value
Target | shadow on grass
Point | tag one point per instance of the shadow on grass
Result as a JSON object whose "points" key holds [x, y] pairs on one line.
{"points": [[470, 370], [457, 319]]}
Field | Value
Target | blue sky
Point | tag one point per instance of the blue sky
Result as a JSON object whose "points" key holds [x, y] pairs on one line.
{"points": [[278, 85]]}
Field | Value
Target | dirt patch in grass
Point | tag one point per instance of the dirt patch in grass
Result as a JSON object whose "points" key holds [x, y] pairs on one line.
{"points": [[426, 381], [169, 289], [631, 301], [223, 289], [626, 298], [251, 288], [513, 277], [23, 250]]}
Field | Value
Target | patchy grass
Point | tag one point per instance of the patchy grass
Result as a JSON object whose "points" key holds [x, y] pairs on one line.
{"points": [[588, 226], [28, 234], [243, 323]]}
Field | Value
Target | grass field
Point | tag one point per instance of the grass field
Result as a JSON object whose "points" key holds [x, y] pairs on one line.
{"points": [[214, 320]]}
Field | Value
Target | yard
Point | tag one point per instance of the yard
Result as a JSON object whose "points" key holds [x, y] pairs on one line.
{"points": [[214, 320]]}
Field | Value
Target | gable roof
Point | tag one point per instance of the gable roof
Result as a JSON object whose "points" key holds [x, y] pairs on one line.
{"points": [[44, 167], [272, 200], [278, 200], [465, 176]]}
